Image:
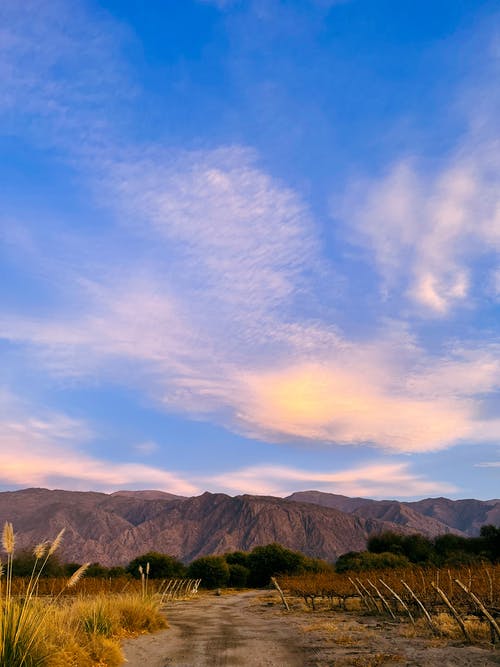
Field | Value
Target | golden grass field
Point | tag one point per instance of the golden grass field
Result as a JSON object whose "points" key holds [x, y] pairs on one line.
{"points": [[68, 623]]}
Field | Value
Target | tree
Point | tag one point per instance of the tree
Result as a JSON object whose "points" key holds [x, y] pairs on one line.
{"points": [[264, 562], [161, 566], [24, 561], [212, 570], [417, 548], [388, 541], [238, 575], [358, 561], [490, 538], [237, 558]]}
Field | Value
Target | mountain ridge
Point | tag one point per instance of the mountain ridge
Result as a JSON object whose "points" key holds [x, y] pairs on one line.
{"points": [[115, 528], [462, 517]]}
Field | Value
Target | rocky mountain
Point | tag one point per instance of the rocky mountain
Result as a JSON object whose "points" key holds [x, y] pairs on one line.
{"points": [[465, 515], [113, 529], [432, 516]]}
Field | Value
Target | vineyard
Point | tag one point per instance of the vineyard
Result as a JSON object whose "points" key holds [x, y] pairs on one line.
{"points": [[466, 598], [165, 590]]}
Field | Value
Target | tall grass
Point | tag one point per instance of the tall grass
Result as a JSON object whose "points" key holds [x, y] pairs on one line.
{"points": [[22, 619], [62, 632]]}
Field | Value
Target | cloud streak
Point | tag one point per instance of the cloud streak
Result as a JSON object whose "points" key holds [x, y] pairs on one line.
{"points": [[428, 228], [374, 480], [48, 450]]}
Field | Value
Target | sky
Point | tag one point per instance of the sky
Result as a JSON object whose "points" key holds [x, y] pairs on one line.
{"points": [[250, 246]]}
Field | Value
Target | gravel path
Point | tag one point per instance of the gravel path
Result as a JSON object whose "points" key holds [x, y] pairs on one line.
{"points": [[252, 630]]}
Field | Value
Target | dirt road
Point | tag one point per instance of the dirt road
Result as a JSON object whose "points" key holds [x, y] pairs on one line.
{"points": [[218, 631], [252, 630]]}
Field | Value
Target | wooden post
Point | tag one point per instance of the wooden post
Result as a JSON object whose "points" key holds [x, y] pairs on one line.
{"points": [[454, 612], [384, 601], [370, 596], [421, 605], [358, 590], [493, 624], [277, 587], [403, 604]]}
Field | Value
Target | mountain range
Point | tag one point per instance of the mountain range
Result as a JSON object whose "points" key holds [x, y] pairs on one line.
{"points": [[112, 529]]}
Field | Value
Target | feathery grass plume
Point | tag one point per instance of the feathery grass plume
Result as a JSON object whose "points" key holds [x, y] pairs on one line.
{"points": [[57, 542], [8, 538], [40, 549], [76, 576], [8, 542]]}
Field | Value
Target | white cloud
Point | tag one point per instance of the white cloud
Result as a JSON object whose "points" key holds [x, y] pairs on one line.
{"points": [[230, 229], [373, 480], [48, 450], [293, 382], [58, 64], [427, 228]]}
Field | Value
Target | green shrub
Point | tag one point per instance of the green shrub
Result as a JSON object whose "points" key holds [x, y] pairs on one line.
{"points": [[265, 562], [359, 561], [161, 566], [238, 575], [212, 570]]}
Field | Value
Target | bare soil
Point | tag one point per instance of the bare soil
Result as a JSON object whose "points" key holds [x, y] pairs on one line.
{"points": [[251, 629]]}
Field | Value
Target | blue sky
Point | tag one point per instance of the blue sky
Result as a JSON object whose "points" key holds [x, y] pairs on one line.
{"points": [[250, 246]]}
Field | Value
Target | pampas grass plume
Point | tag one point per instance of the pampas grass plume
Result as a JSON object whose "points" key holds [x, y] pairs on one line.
{"points": [[39, 550], [76, 576], [8, 538], [56, 543]]}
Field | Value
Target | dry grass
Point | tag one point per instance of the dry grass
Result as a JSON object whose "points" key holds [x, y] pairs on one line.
{"points": [[57, 631], [321, 626], [448, 628]]}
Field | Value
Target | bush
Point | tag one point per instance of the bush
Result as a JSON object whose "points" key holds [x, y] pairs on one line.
{"points": [[24, 562], [161, 566], [386, 542], [212, 570], [359, 561], [317, 565], [238, 575], [265, 562], [417, 548], [237, 558]]}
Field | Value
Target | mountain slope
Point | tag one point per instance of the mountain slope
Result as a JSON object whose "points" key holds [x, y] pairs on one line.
{"points": [[431, 517], [113, 529]]}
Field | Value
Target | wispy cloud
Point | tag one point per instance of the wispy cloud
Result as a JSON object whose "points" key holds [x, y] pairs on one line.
{"points": [[205, 310], [374, 480], [320, 386], [431, 228], [58, 65], [48, 449], [238, 234]]}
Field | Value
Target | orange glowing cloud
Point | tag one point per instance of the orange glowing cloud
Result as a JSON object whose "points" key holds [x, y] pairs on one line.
{"points": [[334, 404]]}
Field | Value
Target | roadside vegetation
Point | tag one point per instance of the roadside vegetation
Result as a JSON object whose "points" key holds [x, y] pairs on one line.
{"points": [[64, 628]]}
